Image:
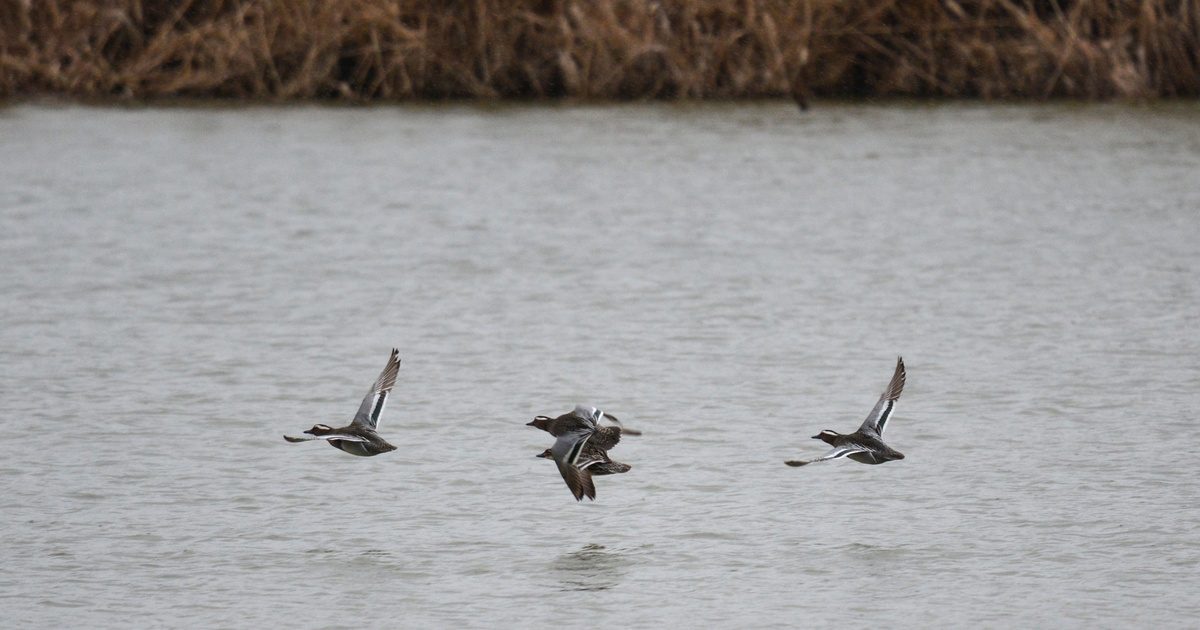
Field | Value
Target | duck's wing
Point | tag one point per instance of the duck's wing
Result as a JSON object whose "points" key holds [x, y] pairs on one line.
{"points": [[328, 436], [581, 418], [372, 405], [835, 453], [568, 451], [597, 462], [579, 480], [577, 419], [608, 468], [877, 420], [605, 439], [590, 455], [619, 425], [584, 411]]}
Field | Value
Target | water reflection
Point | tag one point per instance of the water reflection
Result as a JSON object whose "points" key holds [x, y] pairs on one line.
{"points": [[592, 568]]}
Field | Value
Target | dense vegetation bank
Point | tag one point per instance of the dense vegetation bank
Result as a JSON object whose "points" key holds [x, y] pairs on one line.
{"points": [[414, 49]]}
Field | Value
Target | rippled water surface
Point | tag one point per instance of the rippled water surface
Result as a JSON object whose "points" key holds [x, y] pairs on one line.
{"points": [[182, 286]]}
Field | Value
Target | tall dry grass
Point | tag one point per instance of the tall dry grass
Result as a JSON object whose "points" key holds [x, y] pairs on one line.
{"points": [[403, 49]]}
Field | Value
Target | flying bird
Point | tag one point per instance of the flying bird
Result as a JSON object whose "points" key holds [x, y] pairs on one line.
{"points": [[599, 462], [568, 454], [605, 438], [866, 444], [360, 437], [581, 449]]}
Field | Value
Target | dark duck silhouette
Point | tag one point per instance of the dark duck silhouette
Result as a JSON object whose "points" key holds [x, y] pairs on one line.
{"points": [[866, 444]]}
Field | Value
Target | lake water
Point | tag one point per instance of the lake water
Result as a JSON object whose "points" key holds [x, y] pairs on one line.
{"points": [[182, 286]]}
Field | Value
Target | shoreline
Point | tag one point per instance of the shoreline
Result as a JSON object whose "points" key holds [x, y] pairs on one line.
{"points": [[55, 101]]}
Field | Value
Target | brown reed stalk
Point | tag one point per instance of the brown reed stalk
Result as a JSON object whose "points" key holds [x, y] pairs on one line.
{"points": [[599, 49]]}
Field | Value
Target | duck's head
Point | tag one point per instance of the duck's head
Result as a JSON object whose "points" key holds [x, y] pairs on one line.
{"points": [[540, 422], [827, 436], [546, 454], [320, 429]]}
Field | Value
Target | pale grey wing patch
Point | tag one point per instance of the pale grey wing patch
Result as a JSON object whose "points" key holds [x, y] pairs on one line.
{"points": [[877, 420], [589, 415], [835, 453], [328, 436], [373, 403], [567, 451], [569, 446]]}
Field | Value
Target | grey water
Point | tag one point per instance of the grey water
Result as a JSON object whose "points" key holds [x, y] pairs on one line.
{"points": [[179, 287]]}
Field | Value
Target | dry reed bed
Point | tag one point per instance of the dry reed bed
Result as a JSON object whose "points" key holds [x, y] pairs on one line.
{"points": [[403, 49]]}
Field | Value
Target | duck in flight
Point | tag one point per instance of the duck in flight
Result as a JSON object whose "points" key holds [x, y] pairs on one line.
{"points": [[605, 437], [360, 437], [866, 444], [581, 449], [600, 463]]}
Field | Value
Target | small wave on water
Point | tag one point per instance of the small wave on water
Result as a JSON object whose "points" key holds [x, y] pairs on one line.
{"points": [[590, 568]]}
